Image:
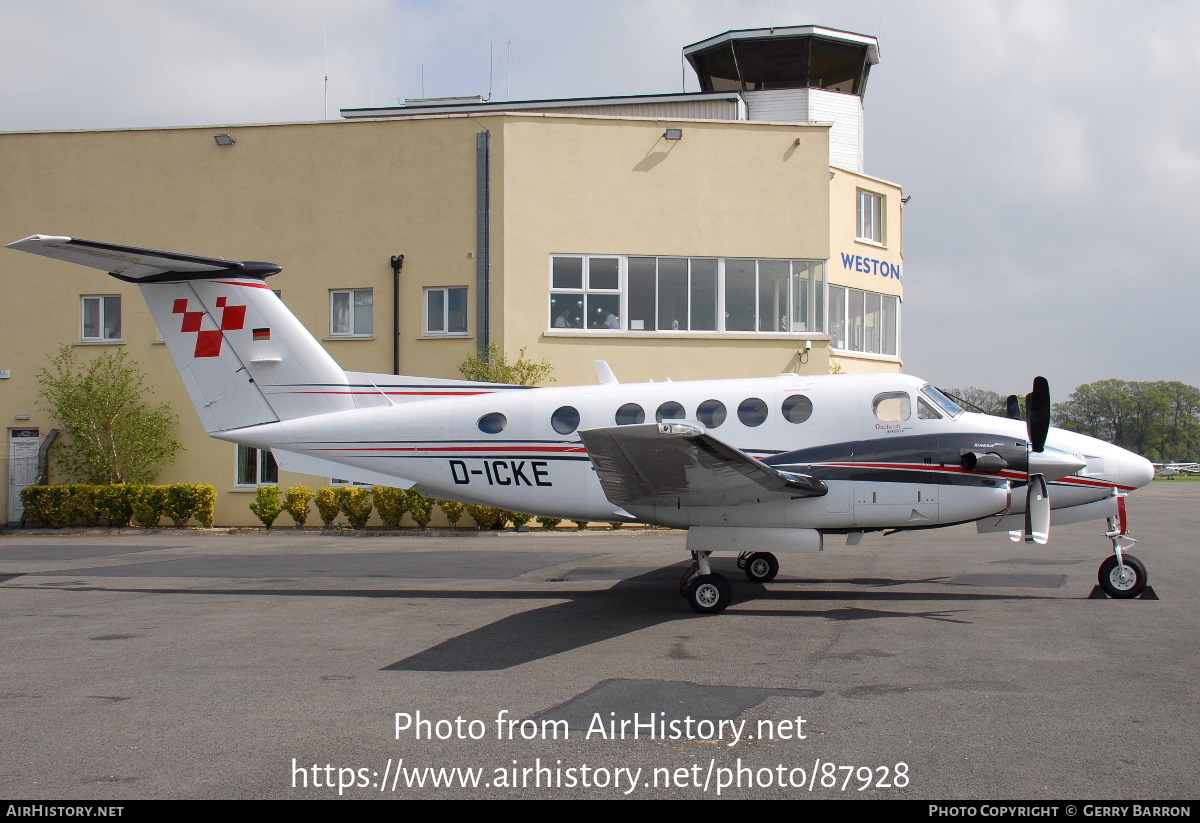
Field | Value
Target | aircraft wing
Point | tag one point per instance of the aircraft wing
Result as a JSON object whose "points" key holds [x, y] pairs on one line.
{"points": [[133, 263], [679, 464]]}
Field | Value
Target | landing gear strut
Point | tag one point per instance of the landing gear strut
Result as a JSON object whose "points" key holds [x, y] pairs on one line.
{"points": [[760, 567], [1121, 575], [706, 592]]}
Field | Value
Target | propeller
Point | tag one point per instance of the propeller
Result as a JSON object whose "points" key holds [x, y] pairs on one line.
{"points": [[1037, 496]]}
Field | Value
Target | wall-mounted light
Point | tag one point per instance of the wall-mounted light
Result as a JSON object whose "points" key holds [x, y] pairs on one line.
{"points": [[673, 134], [224, 139]]}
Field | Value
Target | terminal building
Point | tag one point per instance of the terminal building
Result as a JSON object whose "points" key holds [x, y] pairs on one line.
{"points": [[730, 232]]}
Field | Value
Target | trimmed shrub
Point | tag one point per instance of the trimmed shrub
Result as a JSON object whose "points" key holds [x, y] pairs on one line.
{"points": [[453, 511], [295, 503], [391, 503], [580, 524], [328, 505], [206, 504], [519, 519], [81, 500], [179, 503], [420, 507], [148, 506], [115, 503], [267, 505], [485, 517], [355, 503], [549, 522]]}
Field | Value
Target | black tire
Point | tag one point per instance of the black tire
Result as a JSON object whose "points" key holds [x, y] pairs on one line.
{"points": [[709, 593], [1122, 585], [761, 567]]}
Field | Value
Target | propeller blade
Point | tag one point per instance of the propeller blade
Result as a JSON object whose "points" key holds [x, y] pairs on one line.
{"points": [[1013, 408], [1037, 511], [1037, 413]]}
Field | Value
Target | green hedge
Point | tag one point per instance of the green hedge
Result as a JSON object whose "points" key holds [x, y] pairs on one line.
{"points": [[57, 507]]}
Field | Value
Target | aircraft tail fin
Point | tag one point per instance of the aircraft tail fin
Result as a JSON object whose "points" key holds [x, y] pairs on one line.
{"points": [[244, 357]]}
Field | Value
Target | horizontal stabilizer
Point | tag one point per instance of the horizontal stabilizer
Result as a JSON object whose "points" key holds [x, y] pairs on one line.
{"points": [[140, 265], [679, 464]]}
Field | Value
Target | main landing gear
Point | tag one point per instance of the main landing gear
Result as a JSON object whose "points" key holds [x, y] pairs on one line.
{"points": [[709, 593], [1122, 575]]}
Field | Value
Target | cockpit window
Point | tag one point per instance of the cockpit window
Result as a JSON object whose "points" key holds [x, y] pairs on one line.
{"points": [[925, 411], [892, 406], [945, 403]]}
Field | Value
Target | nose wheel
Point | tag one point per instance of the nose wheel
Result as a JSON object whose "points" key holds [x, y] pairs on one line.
{"points": [[1122, 576]]}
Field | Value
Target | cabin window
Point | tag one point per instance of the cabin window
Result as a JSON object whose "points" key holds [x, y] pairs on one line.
{"points": [[446, 311], [492, 423], [797, 408], [870, 217], [256, 467], [669, 411], [102, 318], [565, 419], [351, 313], [892, 406], [711, 413], [752, 412], [630, 414]]}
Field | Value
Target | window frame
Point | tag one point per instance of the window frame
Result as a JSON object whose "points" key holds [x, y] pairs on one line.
{"points": [[102, 316], [264, 466], [343, 335], [871, 333], [445, 292], [870, 225], [806, 292]]}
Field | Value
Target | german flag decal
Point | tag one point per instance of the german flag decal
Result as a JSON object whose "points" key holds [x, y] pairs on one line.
{"points": [[262, 334]]}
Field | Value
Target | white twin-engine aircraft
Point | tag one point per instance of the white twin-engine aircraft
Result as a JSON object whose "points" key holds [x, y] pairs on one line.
{"points": [[752, 466]]}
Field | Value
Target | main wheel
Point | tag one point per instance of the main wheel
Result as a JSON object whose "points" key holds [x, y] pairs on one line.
{"points": [[709, 593], [1122, 583], [761, 567]]}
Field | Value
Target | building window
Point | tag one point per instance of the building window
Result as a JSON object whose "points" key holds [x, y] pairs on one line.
{"points": [[101, 318], [870, 217], [446, 311], [351, 313], [256, 467], [864, 321], [686, 294]]}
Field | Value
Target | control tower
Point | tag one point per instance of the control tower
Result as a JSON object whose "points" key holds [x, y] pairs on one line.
{"points": [[803, 73]]}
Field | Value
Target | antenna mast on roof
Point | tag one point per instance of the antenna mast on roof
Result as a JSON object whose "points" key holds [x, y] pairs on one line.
{"points": [[326, 71]]}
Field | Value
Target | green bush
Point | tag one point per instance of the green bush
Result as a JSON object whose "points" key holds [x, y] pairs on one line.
{"points": [[81, 501], [115, 504], [148, 505], [206, 504], [267, 505], [519, 519], [549, 522], [328, 505], [580, 524], [391, 503], [179, 503], [47, 507], [453, 511], [295, 503], [420, 507], [355, 503], [485, 517]]}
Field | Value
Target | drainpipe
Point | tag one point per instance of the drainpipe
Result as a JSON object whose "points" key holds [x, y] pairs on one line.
{"points": [[483, 230], [397, 264]]}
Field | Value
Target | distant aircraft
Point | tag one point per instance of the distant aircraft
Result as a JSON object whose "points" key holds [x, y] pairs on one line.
{"points": [[1170, 470], [752, 466]]}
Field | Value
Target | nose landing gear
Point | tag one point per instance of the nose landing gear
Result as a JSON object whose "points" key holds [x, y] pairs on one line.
{"points": [[1121, 576]]}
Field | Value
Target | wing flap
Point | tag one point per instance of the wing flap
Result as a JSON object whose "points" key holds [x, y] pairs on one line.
{"points": [[679, 464]]}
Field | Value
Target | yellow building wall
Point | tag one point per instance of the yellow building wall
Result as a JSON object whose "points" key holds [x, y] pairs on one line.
{"points": [[609, 186]]}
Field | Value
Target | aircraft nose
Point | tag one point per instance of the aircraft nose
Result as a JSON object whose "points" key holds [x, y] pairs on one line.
{"points": [[1135, 470]]}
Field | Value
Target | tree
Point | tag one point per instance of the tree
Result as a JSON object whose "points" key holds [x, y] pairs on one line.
{"points": [[1158, 419], [113, 435], [493, 367], [980, 400]]}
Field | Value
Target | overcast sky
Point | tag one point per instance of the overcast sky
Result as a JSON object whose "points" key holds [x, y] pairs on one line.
{"points": [[1051, 149]]}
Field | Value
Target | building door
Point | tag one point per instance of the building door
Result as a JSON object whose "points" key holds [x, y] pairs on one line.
{"points": [[22, 468]]}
